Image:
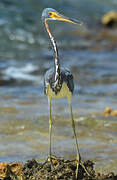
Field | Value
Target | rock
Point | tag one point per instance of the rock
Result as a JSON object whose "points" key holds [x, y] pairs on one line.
{"points": [[110, 19], [109, 112]]}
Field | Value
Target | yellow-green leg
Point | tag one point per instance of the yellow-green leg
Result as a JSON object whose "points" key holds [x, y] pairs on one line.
{"points": [[50, 130], [77, 148]]}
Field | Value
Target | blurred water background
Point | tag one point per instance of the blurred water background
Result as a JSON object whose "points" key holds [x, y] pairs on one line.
{"points": [[90, 52]]}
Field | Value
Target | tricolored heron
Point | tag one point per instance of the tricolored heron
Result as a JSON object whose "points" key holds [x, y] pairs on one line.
{"points": [[58, 81]]}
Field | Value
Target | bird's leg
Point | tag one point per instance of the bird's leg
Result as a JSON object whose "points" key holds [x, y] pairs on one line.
{"points": [[50, 130], [79, 161], [77, 148]]}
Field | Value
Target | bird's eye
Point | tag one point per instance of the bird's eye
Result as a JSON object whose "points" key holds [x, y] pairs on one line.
{"points": [[50, 14]]}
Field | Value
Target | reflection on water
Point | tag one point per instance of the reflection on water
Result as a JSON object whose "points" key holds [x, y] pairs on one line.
{"points": [[24, 58]]}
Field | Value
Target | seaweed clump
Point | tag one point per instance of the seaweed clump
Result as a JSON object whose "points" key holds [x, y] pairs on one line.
{"points": [[61, 170]]}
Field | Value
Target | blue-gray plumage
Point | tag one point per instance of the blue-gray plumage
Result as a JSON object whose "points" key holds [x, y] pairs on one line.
{"points": [[57, 76], [58, 81], [65, 77]]}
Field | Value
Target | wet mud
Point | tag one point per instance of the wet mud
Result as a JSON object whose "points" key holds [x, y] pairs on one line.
{"points": [[61, 169]]}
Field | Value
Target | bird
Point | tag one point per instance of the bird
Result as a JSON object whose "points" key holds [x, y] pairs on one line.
{"points": [[58, 81]]}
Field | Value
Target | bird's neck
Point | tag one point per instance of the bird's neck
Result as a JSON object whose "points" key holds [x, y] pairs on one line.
{"points": [[57, 63], [52, 40]]}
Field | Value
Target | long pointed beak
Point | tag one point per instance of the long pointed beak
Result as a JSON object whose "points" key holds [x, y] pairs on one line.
{"points": [[60, 17]]}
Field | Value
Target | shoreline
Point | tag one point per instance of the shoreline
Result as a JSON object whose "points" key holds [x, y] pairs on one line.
{"points": [[62, 169]]}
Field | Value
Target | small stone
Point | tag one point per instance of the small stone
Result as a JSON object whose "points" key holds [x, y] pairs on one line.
{"points": [[108, 110]]}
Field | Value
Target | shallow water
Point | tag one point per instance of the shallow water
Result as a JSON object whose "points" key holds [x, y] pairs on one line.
{"points": [[91, 55]]}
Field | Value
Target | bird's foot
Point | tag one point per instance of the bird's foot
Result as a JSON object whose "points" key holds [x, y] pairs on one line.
{"points": [[77, 167], [51, 159], [82, 165]]}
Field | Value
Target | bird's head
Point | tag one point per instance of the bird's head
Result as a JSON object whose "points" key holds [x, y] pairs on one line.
{"points": [[52, 14]]}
